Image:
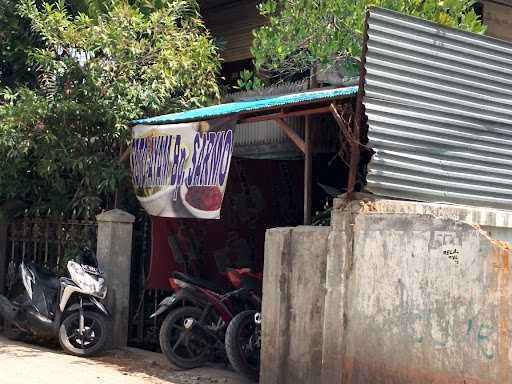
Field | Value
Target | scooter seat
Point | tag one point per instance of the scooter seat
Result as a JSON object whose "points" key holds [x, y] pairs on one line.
{"points": [[197, 281], [43, 276]]}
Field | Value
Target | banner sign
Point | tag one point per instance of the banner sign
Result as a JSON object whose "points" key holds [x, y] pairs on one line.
{"points": [[181, 170]]}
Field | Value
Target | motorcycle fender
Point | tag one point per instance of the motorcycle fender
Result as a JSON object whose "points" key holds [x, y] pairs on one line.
{"points": [[161, 309], [166, 304], [92, 303], [100, 306], [184, 294]]}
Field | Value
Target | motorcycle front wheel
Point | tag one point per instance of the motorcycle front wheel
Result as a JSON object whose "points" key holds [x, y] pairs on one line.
{"points": [[243, 344], [181, 344], [91, 341]]}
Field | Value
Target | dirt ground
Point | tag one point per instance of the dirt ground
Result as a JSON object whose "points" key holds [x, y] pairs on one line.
{"points": [[22, 363]]}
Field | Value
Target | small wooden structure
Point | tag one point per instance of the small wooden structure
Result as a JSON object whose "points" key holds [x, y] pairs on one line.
{"points": [[339, 102]]}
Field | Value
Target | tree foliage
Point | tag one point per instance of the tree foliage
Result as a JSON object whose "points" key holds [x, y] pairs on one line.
{"points": [[15, 38], [62, 138], [302, 33]]}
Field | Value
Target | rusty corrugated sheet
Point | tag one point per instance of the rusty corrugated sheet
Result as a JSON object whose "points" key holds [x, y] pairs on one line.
{"points": [[439, 108]]}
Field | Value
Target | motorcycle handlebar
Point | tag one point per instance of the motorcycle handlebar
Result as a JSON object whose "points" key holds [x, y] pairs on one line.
{"points": [[233, 293]]}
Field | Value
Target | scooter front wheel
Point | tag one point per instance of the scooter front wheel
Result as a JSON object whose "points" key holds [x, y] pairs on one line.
{"points": [[91, 341]]}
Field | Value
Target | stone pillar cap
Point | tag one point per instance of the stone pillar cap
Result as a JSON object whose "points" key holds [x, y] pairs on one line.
{"points": [[115, 216]]}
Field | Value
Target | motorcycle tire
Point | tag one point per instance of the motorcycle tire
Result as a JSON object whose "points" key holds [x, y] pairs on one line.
{"points": [[73, 345], [172, 329], [240, 325]]}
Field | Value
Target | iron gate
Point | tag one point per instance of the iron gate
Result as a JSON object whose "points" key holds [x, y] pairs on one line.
{"points": [[143, 331]]}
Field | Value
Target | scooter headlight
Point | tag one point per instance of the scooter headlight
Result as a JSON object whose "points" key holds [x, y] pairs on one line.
{"points": [[92, 285]]}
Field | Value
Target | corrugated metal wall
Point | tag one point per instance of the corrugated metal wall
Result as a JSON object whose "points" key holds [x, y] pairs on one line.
{"points": [[439, 108]]}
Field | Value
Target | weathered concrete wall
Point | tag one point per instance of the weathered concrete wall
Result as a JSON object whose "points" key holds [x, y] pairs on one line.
{"points": [[409, 297], [293, 293], [428, 301]]}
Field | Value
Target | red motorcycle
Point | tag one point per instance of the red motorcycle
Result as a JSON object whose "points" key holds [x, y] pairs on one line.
{"points": [[198, 313]]}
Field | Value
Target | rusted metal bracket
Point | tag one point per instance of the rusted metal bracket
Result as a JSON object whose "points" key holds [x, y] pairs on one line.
{"points": [[294, 137]]}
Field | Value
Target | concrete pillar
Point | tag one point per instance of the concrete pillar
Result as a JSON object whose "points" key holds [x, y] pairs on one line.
{"points": [[276, 271], [293, 301], [114, 251]]}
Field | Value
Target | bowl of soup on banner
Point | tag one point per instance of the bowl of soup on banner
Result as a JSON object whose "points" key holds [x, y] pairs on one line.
{"points": [[181, 170]]}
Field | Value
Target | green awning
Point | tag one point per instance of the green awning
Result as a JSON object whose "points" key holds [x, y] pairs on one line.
{"points": [[220, 110]]}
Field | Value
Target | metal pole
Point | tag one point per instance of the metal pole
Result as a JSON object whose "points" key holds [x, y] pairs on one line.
{"points": [[4, 227], [308, 160]]}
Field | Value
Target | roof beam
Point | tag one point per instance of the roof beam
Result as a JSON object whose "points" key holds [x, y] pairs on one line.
{"points": [[281, 115], [294, 137]]}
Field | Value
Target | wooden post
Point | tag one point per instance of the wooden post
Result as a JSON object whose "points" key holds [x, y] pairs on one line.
{"points": [[308, 160]]}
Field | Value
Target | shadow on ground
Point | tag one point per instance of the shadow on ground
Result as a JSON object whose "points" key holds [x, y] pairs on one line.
{"points": [[149, 366], [155, 365]]}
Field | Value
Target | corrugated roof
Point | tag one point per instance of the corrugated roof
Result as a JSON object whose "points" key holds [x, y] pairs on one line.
{"points": [[220, 110], [439, 108]]}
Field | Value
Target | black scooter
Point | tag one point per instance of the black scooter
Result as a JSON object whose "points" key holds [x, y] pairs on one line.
{"points": [[68, 308]]}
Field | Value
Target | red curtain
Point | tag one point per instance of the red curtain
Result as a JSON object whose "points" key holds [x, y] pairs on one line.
{"points": [[260, 194]]}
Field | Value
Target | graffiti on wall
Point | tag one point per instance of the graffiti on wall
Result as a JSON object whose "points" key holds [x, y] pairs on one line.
{"points": [[426, 326]]}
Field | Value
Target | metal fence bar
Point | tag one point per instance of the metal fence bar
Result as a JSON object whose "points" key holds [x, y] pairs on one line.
{"points": [[53, 241], [46, 232], [3, 256], [24, 244]]}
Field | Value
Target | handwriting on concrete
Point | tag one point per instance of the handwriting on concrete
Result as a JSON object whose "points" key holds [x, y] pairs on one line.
{"points": [[450, 245], [422, 327]]}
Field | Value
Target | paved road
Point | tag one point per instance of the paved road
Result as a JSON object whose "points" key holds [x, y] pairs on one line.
{"points": [[28, 364]]}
